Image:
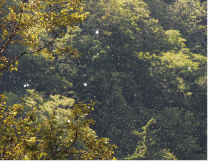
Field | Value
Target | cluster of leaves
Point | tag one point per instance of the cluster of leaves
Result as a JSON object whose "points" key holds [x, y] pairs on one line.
{"points": [[189, 17], [60, 134], [36, 25]]}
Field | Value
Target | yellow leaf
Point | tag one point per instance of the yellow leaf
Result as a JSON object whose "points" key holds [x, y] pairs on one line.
{"points": [[3, 37]]}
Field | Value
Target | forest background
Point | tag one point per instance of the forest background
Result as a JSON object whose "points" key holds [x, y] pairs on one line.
{"points": [[143, 62]]}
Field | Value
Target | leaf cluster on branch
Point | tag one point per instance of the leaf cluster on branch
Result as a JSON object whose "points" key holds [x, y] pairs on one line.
{"points": [[25, 23], [50, 138]]}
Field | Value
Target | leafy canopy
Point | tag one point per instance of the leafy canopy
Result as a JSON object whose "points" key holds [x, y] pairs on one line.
{"points": [[50, 132], [37, 25]]}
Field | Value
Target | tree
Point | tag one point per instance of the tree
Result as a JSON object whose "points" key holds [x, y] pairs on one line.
{"points": [[36, 25], [179, 129], [188, 17], [146, 147], [136, 64], [50, 132], [29, 134], [128, 88]]}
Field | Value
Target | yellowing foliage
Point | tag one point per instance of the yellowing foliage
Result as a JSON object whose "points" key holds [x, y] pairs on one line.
{"points": [[24, 23], [48, 138]]}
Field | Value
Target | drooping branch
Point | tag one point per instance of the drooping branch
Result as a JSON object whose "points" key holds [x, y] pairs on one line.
{"points": [[34, 51]]}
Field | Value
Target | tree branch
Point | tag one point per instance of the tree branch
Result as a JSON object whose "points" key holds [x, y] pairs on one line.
{"points": [[3, 48], [64, 149], [37, 50]]}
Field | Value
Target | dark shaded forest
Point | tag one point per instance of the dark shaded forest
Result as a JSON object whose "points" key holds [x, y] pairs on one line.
{"points": [[144, 65]]}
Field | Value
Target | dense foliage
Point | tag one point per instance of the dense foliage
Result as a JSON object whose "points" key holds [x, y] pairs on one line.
{"points": [[50, 131], [47, 129], [36, 25], [144, 65]]}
